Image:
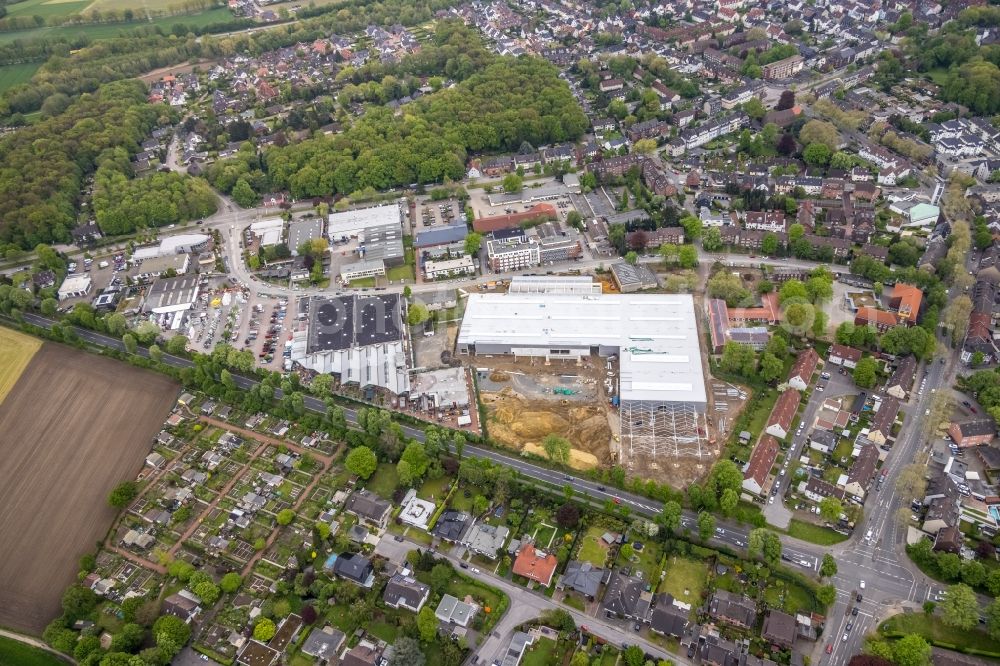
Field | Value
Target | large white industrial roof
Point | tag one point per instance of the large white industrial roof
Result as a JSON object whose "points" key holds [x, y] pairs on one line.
{"points": [[656, 334], [352, 222]]}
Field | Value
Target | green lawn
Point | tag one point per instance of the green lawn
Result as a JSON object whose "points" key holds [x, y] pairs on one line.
{"points": [[433, 489], [842, 451], [459, 502], [648, 561], [817, 534], [758, 419], [363, 282], [609, 657], [12, 75], [831, 474], [592, 549], [935, 631], [14, 653], [787, 596], [938, 75], [404, 272], [384, 481], [139, 6], [543, 535], [541, 653], [384, 630], [105, 30], [685, 580]]}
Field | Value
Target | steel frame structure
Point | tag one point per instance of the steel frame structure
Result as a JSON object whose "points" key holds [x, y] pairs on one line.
{"points": [[662, 428]]}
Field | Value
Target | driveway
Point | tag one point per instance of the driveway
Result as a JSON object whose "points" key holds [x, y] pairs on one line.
{"points": [[778, 514]]}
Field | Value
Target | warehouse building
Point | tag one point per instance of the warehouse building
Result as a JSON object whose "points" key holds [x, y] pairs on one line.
{"points": [[361, 339], [75, 286], [441, 241], [661, 380], [303, 230], [170, 299], [352, 223], [171, 245]]}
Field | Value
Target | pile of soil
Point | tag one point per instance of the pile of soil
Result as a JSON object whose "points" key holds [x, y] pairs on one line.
{"points": [[516, 422]]}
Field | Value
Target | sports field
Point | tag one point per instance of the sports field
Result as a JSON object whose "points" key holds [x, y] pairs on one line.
{"points": [[74, 426], [16, 350]]}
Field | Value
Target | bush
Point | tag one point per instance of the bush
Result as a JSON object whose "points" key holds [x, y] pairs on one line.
{"points": [[264, 630], [123, 493]]}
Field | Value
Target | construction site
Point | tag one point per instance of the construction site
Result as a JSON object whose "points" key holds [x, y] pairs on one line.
{"points": [[527, 399], [621, 376]]}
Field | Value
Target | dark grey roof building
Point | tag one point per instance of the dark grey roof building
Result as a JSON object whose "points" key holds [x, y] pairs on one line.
{"points": [[582, 577], [451, 526], [355, 568], [405, 592], [626, 596]]}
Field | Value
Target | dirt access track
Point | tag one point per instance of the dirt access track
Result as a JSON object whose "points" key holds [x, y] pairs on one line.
{"points": [[73, 426]]}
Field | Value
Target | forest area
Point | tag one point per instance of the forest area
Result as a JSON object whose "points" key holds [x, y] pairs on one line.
{"points": [[509, 103], [45, 165], [123, 204]]}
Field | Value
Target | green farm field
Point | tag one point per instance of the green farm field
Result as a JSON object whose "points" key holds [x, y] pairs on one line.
{"points": [[46, 8], [138, 6], [12, 75], [104, 31], [14, 653]]}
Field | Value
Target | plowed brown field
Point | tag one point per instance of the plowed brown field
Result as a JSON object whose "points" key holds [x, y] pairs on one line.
{"points": [[73, 426]]}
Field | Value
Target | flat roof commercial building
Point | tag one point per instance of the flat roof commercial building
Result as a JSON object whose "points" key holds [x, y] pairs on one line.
{"points": [[270, 231], [300, 231], [449, 268], [169, 295], [361, 269], [75, 286], [350, 223], [179, 244], [661, 380]]}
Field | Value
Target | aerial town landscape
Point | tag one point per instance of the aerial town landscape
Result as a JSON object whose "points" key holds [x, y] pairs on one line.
{"points": [[541, 333]]}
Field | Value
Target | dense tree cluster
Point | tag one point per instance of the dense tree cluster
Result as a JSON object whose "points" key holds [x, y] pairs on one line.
{"points": [[974, 71], [44, 165], [122, 205], [951, 568], [985, 383], [90, 67], [510, 102]]}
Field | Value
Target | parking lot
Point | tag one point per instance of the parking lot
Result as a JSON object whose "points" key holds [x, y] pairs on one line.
{"points": [[267, 330], [599, 203], [438, 213]]}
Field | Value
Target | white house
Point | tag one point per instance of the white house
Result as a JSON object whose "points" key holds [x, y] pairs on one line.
{"points": [[416, 512]]}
